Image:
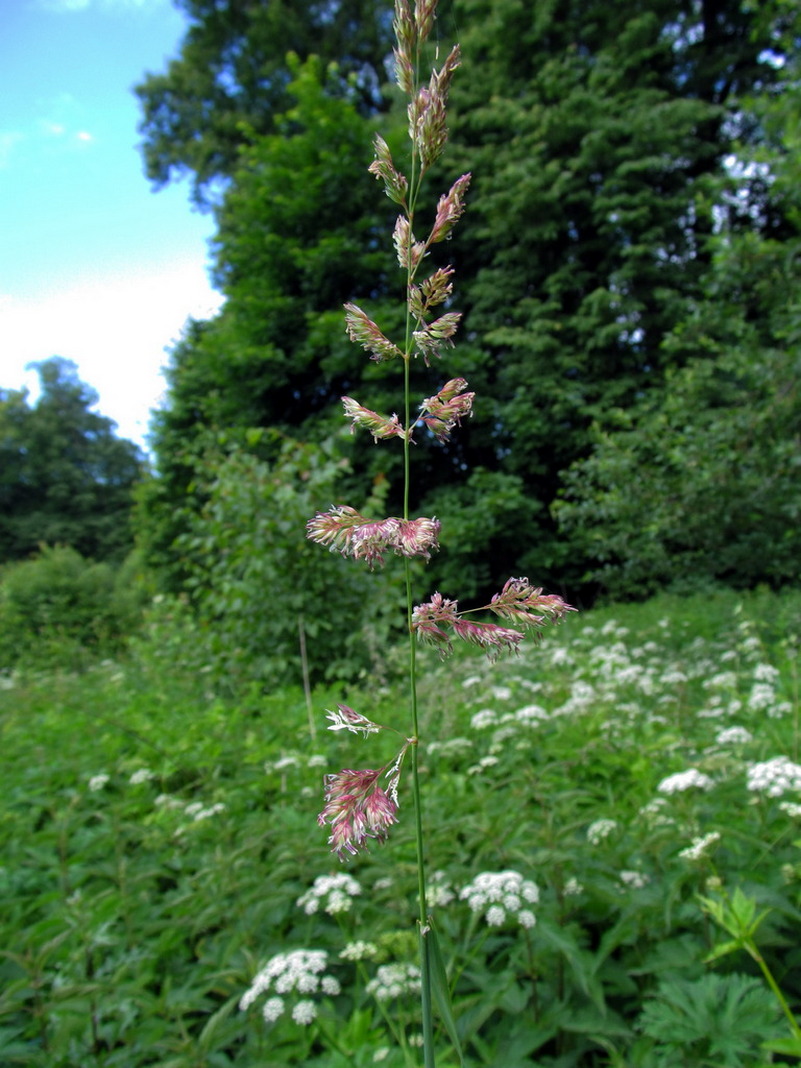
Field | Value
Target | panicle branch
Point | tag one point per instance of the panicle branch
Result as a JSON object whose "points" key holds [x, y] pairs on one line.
{"points": [[363, 330], [528, 606], [378, 425], [395, 184], [450, 209], [427, 112], [518, 601], [435, 336], [405, 30]]}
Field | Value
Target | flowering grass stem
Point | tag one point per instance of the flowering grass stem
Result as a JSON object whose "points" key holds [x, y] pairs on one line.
{"points": [[357, 808]]}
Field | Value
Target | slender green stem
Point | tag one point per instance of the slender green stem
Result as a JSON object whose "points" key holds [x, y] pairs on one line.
{"points": [[774, 986], [425, 977]]}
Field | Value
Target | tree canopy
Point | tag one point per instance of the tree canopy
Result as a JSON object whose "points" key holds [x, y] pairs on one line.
{"points": [[65, 477], [231, 78], [604, 141]]}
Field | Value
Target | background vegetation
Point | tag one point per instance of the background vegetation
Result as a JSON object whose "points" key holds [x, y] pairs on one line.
{"points": [[156, 840], [629, 270]]}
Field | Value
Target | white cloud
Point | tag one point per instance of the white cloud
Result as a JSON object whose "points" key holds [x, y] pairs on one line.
{"points": [[115, 328]]}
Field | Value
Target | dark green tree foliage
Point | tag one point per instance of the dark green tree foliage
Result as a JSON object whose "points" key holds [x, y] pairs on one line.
{"points": [[231, 78], [290, 250], [64, 476], [702, 477], [301, 231], [597, 135], [592, 131]]}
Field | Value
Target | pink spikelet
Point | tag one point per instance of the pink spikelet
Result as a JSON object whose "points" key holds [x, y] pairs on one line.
{"points": [[443, 411], [378, 425], [364, 331], [343, 529]]}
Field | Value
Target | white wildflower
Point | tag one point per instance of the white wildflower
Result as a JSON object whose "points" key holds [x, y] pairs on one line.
{"points": [[762, 696], [305, 1012], [272, 1009], [774, 777], [685, 780], [283, 763], [359, 951], [140, 776], [449, 746], [487, 717], [438, 891], [636, 880], [482, 765], [600, 830], [333, 892], [204, 813], [530, 714], [734, 736], [766, 673], [725, 680], [394, 980], [298, 970], [779, 709], [496, 893], [673, 677], [97, 782]]}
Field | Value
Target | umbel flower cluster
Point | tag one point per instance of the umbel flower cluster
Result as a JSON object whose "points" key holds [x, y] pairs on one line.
{"points": [[362, 804]]}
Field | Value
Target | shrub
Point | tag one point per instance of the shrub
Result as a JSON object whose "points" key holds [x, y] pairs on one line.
{"points": [[59, 609], [257, 584]]}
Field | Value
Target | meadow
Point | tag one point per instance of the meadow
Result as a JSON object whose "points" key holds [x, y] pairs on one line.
{"points": [[167, 897]]}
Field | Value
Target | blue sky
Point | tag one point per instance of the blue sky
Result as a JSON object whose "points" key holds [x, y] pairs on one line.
{"points": [[94, 266]]}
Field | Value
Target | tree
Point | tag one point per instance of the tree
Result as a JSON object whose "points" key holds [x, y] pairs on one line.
{"points": [[699, 481], [598, 135], [593, 132], [292, 232], [231, 79], [65, 478]]}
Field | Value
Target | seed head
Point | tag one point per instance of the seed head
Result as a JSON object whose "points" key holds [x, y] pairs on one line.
{"points": [[345, 530], [443, 411], [357, 809]]}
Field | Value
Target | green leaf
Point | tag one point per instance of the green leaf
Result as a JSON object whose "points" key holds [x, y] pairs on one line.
{"points": [[439, 985], [788, 1046]]}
